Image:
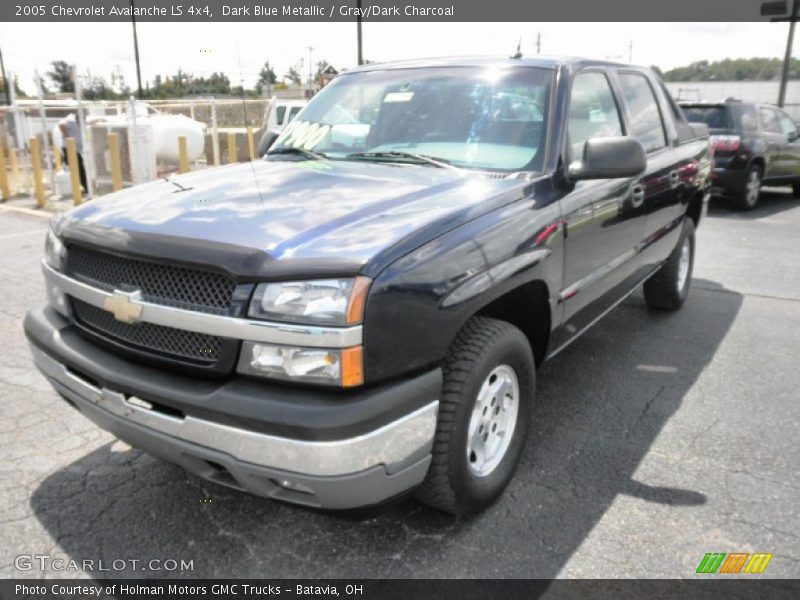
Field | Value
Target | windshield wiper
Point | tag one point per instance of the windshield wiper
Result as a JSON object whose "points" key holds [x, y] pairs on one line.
{"points": [[294, 150], [442, 163]]}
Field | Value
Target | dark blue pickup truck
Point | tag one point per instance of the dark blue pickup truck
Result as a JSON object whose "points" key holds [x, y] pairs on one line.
{"points": [[361, 313]]}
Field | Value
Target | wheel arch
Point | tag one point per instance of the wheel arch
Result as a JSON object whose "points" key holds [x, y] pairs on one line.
{"points": [[527, 307]]}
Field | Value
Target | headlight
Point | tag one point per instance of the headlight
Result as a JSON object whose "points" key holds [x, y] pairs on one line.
{"points": [[342, 367], [54, 251], [316, 302]]}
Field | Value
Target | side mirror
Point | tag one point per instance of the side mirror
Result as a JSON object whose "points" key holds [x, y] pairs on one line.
{"points": [[792, 136], [609, 158]]}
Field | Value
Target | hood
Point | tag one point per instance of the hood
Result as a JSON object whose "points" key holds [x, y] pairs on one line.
{"points": [[272, 218]]}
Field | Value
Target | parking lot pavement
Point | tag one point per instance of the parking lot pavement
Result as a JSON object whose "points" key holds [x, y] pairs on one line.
{"points": [[656, 438]]}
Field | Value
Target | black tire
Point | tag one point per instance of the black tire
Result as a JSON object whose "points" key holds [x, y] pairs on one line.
{"points": [[482, 346], [747, 197], [664, 290], [796, 190]]}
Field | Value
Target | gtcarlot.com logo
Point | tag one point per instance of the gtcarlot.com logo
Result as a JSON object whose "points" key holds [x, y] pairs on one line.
{"points": [[46, 562], [734, 562]]}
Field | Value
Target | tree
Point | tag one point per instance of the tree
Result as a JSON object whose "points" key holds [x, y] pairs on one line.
{"points": [[294, 76], [733, 69], [61, 75], [17, 90], [266, 76]]}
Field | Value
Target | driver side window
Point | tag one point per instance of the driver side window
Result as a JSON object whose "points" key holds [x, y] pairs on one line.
{"points": [[593, 112]]}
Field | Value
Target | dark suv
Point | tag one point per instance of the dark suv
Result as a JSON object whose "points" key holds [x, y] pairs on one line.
{"points": [[754, 144]]}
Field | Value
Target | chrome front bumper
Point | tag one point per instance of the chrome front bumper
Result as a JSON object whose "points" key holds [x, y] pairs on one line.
{"points": [[345, 473]]}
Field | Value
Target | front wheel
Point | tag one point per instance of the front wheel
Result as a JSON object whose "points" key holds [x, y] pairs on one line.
{"points": [[667, 289], [487, 393]]}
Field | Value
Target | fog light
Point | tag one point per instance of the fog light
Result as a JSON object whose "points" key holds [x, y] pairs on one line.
{"points": [[57, 299], [317, 365]]}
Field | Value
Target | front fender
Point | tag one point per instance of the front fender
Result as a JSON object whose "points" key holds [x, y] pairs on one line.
{"points": [[418, 304]]}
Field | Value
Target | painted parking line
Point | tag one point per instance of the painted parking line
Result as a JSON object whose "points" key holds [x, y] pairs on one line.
{"points": [[22, 233], [26, 211]]}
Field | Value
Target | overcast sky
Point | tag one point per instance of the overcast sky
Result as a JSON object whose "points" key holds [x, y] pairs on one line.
{"points": [[203, 48]]}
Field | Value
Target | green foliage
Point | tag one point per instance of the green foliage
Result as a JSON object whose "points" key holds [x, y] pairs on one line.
{"points": [[17, 90], [186, 84], [267, 75], [294, 76], [734, 69], [61, 76]]}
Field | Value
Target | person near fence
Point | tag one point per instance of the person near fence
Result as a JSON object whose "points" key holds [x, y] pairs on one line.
{"points": [[70, 127]]}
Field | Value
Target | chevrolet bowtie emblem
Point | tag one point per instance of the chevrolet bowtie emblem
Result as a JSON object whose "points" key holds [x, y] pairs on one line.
{"points": [[124, 305]]}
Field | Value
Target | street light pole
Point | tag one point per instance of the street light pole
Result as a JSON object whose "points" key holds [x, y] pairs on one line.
{"points": [[787, 59], [136, 50]]}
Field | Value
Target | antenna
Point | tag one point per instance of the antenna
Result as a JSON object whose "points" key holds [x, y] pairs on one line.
{"points": [[518, 53], [244, 114]]}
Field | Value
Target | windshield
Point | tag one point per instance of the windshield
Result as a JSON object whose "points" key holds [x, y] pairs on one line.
{"points": [[481, 118]]}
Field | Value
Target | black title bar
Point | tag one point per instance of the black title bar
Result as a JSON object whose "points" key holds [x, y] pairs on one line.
{"points": [[381, 10]]}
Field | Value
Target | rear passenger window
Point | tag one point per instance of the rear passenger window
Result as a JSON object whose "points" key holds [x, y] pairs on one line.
{"points": [[592, 111], [747, 117], [769, 120], [646, 121]]}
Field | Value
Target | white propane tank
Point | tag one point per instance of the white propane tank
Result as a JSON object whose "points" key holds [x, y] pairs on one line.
{"points": [[64, 183], [167, 128]]}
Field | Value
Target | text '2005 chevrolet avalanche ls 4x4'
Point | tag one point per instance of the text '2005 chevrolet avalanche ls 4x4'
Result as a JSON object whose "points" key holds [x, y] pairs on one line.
{"points": [[361, 313]]}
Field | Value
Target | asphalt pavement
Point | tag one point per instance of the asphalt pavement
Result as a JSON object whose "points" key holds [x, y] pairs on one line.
{"points": [[656, 438]]}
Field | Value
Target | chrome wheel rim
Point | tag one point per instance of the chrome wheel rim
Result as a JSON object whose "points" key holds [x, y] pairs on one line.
{"points": [[683, 264], [753, 187], [493, 420]]}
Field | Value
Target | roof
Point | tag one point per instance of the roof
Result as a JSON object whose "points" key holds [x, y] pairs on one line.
{"points": [[547, 62]]}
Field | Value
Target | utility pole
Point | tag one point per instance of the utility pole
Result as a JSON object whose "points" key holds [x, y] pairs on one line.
{"points": [[787, 59], [358, 34], [630, 51], [776, 10], [538, 42], [6, 84], [310, 67], [136, 51]]}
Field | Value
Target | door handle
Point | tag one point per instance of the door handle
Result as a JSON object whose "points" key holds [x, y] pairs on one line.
{"points": [[637, 195], [674, 178]]}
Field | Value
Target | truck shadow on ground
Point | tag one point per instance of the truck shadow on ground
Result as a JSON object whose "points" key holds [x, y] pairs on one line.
{"points": [[601, 404]]}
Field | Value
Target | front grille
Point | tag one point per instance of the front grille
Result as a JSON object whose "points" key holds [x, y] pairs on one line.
{"points": [[187, 345], [170, 285]]}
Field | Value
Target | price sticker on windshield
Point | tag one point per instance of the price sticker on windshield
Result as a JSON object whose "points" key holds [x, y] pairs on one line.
{"points": [[398, 97]]}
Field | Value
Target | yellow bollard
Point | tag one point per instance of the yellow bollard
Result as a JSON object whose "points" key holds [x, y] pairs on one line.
{"points": [[56, 152], [12, 159], [36, 163], [251, 144], [74, 173], [183, 155], [5, 190], [231, 147], [116, 168]]}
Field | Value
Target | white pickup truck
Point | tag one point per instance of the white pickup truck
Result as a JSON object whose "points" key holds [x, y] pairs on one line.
{"points": [[277, 115]]}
